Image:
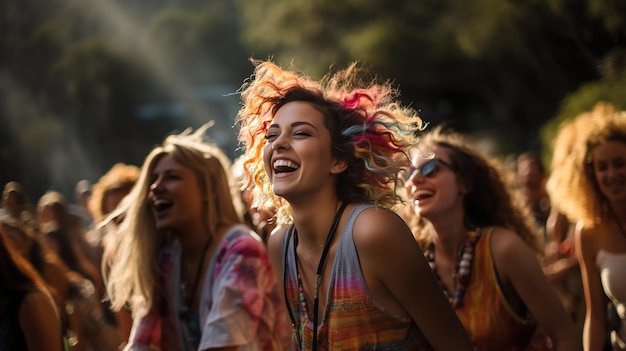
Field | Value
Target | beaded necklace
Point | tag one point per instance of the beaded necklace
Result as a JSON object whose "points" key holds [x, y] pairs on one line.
{"points": [[462, 270]]}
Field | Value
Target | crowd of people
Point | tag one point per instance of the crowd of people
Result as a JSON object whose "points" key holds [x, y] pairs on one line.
{"points": [[346, 224]]}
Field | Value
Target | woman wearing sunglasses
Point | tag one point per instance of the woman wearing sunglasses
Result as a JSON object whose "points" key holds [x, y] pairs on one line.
{"points": [[325, 158], [480, 243]]}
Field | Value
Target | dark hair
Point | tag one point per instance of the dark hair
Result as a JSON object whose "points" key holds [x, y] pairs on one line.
{"points": [[490, 199]]}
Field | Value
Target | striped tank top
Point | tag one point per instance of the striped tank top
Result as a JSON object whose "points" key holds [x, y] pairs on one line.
{"points": [[352, 319]]}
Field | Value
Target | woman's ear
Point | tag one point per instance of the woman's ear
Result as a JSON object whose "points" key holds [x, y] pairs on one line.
{"points": [[464, 187], [338, 167]]}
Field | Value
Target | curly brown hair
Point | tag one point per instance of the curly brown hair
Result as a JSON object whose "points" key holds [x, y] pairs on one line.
{"points": [[491, 199]]}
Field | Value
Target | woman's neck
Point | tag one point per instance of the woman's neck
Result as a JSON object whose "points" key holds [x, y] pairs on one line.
{"points": [[313, 222], [617, 213], [619, 208], [450, 235], [195, 243]]}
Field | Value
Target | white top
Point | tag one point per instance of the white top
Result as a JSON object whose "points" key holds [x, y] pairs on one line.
{"points": [[612, 267]]}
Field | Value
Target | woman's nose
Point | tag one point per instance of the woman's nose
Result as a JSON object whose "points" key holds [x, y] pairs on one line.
{"points": [[280, 143], [156, 185], [415, 177]]}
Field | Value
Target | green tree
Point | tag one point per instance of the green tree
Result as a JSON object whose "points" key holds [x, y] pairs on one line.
{"points": [[495, 64]]}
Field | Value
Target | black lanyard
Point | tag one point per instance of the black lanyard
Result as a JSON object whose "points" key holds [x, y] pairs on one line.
{"points": [[318, 275]]}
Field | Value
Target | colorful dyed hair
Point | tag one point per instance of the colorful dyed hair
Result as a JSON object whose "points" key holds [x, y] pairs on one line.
{"points": [[573, 182], [369, 130]]}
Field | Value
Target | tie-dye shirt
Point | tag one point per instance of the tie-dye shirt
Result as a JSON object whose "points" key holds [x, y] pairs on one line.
{"points": [[353, 320], [239, 304]]}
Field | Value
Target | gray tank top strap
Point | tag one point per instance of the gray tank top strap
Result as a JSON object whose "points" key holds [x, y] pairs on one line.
{"points": [[346, 257], [346, 250]]}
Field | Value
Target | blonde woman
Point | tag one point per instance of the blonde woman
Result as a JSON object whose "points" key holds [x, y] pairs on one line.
{"points": [[195, 277]]}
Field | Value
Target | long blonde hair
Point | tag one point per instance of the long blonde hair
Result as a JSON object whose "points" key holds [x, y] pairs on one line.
{"points": [[133, 270]]}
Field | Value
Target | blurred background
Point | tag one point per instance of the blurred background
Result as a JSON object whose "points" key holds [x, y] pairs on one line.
{"points": [[85, 84]]}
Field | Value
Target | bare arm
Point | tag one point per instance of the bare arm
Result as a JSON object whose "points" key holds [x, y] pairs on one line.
{"points": [[397, 272], [518, 264], [557, 226], [594, 332], [40, 322]]}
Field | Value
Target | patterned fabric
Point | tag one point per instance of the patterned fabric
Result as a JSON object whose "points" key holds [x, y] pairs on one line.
{"points": [[352, 319], [487, 317], [239, 305]]}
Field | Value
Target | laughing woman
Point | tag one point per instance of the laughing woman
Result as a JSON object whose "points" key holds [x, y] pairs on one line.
{"points": [[194, 276], [353, 280], [591, 186], [479, 243]]}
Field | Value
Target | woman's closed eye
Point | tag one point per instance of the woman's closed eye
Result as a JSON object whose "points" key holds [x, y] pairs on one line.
{"points": [[298, 133]]}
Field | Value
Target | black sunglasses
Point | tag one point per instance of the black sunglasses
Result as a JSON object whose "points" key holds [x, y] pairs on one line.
{"points": [[430, 168]]}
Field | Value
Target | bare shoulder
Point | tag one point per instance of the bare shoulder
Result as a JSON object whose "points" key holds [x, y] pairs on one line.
{"points": [[275, 239], [505, 241], [36, 304], [589, 239], [509, 250], [374, 227]]}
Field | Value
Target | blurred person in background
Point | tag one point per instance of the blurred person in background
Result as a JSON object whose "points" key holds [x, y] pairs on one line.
{"points": [[81, 312], [107, 194], [16, 203], [29, 319], [82, 194], [591, 186], [482, 244], [560, 262], [531, 180], [64, 234], [195, 276]]}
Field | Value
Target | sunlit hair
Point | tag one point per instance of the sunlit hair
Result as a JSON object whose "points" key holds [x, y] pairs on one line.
{"points": [[120, 177], [369, 130], [490, 199], [131, 276], [573, 182]]}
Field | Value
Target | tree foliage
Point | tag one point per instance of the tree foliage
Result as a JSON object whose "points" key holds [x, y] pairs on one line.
{"points": [[76, 77]]}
